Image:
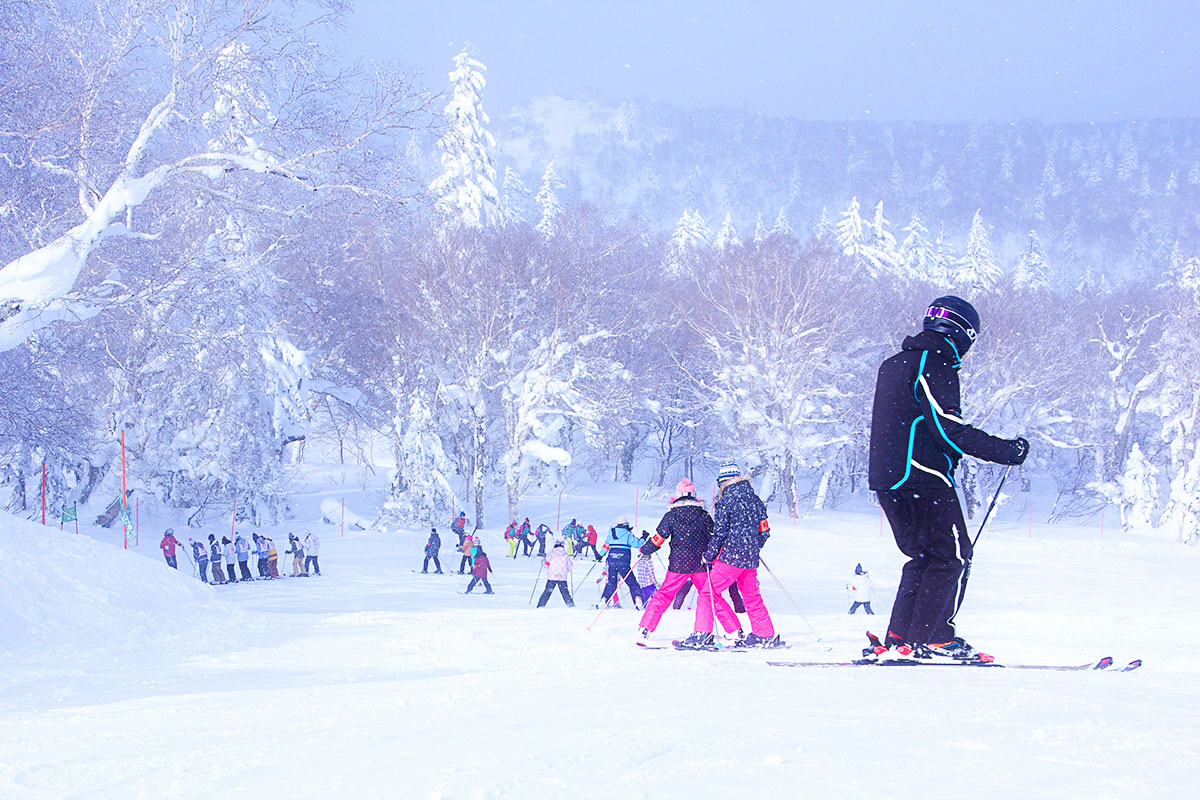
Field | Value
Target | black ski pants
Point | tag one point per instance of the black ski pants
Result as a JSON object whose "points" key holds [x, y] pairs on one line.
{"points": [[475, 581], [929, 528], [619, 569], [858, 603], [550, 587], [436, 562]]}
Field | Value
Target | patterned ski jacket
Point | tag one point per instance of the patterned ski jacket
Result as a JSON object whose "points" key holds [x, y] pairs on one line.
{"points": [[644, 572], [168, 543], [918, 434], [558, 564], [740, 526], [689, 527], [433, 545]]}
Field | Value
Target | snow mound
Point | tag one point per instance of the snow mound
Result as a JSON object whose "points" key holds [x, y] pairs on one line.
{"points": [[331, 514], [70, 592]]}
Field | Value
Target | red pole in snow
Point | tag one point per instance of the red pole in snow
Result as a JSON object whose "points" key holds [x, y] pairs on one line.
{"points": [[43, 492], [123, 525]]}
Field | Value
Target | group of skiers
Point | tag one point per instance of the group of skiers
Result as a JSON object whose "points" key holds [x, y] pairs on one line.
{"points": [[234, 555], [918, 437], [577, 539]]}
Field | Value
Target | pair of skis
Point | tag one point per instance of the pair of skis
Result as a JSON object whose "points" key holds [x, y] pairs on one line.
{"points": [[1103, 664]]}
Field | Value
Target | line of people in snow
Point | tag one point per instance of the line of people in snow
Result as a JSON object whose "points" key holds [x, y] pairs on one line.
{"points": [[577, 539], [234, 556]]}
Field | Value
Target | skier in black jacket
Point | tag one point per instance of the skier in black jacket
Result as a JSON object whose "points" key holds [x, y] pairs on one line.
{"points": [[431, 551], [689, 528], [740, 529], [917, 438]]}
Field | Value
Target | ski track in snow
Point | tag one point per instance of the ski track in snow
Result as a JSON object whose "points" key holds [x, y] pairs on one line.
{"points": [[125, 679]]}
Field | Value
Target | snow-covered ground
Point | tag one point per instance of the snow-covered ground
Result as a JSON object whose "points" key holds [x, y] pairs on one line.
{"points": [[120, 677]]}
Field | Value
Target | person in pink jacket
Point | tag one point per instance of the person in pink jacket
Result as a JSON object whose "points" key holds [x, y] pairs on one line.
{"points": [[558, 574]]}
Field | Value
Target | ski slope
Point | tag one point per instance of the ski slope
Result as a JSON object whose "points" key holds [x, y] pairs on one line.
{"points": [[123, 678]]}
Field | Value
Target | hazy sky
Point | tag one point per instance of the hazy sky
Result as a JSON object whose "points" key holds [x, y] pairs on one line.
{"points": [[904, 60]]}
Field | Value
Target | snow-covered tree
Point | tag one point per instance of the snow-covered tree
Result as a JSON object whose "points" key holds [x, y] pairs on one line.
{"points": [[162, 109], [727, 235], [691, 236], [978, 272], [1031, 271], [515, 202], [466, 189], [549, 208]]}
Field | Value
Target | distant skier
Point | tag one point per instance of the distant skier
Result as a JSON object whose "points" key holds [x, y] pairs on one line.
{"points": [[459, 527], [619, 545], [230, 558], [468, 555], [168, 545], [540, 534], [740, 529], [558, 575], [510, 538], [260, 553], [431, 551], [200, 556], [242, 548], [860, 588], [918, 436], [479, 572], [312, 551], [573, 537], [272, 558], [214, 553], [296, 551], [525, 537], [590, 541]]}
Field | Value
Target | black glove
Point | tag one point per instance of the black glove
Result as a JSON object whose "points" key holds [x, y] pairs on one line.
{"points": [[1020, 450]]}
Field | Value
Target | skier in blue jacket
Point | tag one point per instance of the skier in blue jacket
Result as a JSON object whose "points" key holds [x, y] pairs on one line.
{"points": [[619, 545]]}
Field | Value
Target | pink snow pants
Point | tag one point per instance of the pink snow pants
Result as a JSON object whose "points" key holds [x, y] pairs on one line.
{"points": [[672, 583], [720, 578]]}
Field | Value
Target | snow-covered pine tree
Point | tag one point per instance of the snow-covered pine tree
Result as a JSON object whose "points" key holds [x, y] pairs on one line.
{"points": [[978, 273], [727, 235], [691, 236], [781, 227], [466, 189], [515, 201], [549, 208], [420, 488], [916, 255], [1031, 272]]}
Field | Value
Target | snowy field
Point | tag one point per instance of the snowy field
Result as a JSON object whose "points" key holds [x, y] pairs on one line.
{"points": [[122, 678]]}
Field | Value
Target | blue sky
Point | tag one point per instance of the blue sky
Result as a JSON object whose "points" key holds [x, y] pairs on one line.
{"points": [[1057, 60]]}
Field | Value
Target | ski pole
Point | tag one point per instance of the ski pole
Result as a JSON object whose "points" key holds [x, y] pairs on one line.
{"points": [[778, 583], [536, 581], [991, 505], [189, 560], [575, 588], [967, 567], [609, 600]]}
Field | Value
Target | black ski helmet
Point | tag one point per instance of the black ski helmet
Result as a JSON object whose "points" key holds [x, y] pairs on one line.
{"points": [[956, 318]]}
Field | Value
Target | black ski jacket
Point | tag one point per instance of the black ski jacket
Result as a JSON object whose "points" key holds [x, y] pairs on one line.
{"points": [[689, 527], [918, 434], [740, 526]]}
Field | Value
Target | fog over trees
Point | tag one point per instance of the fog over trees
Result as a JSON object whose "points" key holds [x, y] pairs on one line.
{"points": [[221, 242]]}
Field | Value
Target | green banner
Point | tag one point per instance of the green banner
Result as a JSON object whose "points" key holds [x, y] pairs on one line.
{"points": [[70, 514]]}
